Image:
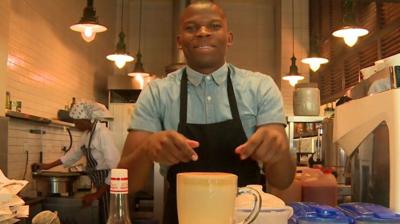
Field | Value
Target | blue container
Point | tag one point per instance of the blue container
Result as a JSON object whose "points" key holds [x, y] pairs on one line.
{"points": [[313, 213], [367, 213]]}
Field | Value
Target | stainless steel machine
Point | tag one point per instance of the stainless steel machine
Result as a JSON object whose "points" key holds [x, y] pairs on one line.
{"points": [[368, 129], [370, 168]]}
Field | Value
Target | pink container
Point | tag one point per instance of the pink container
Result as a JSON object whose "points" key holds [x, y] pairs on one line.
{"points": [[290, 194], [319, 187]]}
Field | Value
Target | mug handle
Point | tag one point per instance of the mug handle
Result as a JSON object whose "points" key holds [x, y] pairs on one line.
{"points": [[256, 205]]}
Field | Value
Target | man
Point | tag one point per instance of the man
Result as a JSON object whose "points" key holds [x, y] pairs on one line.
{"points": [[98, 146], [208, 116]]}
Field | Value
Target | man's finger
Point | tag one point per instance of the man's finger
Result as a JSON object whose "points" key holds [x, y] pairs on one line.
{"points": [[186, 148], [247, 149], [244, 150], [192, 143]]}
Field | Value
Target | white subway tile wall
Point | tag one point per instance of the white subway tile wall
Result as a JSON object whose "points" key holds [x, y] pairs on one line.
{"points": [[23, 143], [48, 63]]}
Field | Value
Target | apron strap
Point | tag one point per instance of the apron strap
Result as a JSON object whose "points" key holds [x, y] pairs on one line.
{"points": [[183, 98]]}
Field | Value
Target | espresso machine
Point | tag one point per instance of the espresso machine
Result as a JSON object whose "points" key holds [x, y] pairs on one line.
{"points": [[368, 130]]}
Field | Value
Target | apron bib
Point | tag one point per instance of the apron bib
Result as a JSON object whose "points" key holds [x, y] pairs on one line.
{"points": [[216, 152]]}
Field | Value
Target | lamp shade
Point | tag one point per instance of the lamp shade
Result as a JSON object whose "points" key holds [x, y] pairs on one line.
{"points": [[88, 25], [293, 76], [139, 69], [120, 56], [314, 62], [350, 34]]}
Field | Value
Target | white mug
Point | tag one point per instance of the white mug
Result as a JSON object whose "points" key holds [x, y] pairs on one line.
{"points": [[209, 197]]}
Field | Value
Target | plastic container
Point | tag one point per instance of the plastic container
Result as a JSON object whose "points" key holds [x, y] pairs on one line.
{"points": [[306, 99], [273, 209], [313, 213], [319, 187], [367, 213], [290, 194]]}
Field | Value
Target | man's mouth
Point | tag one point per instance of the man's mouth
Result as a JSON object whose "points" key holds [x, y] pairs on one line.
{"points": [[204, 47]]}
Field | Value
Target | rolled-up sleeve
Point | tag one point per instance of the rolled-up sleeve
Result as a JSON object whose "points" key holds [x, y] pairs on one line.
{"points": [[146, 116], [269, 103], [110, 152], [73, 155]]}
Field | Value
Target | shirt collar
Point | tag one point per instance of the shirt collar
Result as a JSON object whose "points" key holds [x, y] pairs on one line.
{"points": [[219, 76]]}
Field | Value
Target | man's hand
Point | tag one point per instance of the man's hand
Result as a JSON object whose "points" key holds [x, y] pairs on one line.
{"points": [[170, 147], [41, 166], [268, 144]]}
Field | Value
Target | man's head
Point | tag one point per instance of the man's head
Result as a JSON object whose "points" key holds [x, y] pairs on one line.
{"points": [[204, 36], [83, 124]]}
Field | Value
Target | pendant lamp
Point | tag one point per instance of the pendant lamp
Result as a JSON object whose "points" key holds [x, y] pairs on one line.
{"points": [[89, 25], [350, 32], [293, 76], [120, 56], [138, 71], [314, 60]]}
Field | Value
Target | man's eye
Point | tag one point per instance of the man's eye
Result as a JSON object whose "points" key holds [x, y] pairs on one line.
{"points": [[190, 28], [216, 26]]}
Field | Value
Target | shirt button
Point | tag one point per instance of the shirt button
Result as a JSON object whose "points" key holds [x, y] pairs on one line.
{"points": [[208, 77], [208, 98]]}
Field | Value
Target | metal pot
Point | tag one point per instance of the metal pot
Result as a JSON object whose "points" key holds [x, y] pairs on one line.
{"points": [[50, 183]]}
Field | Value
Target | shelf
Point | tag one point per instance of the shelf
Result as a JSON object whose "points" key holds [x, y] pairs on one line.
{"points": [[34, 118], [305, 118]]}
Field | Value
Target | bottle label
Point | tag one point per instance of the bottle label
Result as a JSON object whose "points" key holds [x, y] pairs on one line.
{"points": [[119, 185]]}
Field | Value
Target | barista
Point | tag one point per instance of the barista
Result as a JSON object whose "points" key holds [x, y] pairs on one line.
{"points": [[97, 145], [208, 116]]}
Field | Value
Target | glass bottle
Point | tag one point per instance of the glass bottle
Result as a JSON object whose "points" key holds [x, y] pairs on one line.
{"points": [[119, 210], [8, 100]]}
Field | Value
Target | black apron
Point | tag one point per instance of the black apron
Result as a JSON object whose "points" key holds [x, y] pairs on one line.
{"points": [[216, 152], [98, 178]]}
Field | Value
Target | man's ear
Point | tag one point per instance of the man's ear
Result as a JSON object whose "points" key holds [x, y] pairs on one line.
{"points": [[178, 42], [230, 39]]}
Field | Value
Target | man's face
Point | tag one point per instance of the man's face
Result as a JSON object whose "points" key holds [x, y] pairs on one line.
{"points": [[82, 124], [204, 37]]}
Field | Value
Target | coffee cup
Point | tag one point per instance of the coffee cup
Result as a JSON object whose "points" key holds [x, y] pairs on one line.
{"points": [[209, 197]]}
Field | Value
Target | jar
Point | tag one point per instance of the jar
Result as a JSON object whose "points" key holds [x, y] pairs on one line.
{"points": [[306, 99]]}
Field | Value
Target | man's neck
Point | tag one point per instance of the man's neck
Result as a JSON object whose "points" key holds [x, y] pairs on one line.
{"points": [[206, 70]]}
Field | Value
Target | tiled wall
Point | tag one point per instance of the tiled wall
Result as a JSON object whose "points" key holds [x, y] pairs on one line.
{"points": [[48, 64], [23, 143], [4, 17]]}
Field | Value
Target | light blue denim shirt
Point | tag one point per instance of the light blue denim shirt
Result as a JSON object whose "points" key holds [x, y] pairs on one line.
{"points": [[258, 98]]}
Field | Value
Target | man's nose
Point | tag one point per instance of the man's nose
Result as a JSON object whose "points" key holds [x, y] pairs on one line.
{"points": [[203, 31]]}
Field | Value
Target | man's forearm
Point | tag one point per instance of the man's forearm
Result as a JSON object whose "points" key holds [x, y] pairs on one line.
{"points": [[281, 173], [138, 165]]}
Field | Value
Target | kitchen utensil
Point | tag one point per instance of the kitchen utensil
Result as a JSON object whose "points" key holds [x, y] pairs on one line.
{"points": [[50, 183]]}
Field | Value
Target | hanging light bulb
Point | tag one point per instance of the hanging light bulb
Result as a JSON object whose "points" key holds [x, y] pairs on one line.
{"points": [[120, 56], [350, 32], [88, 25], [314, 60], [293, 76], [138, 71]]}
